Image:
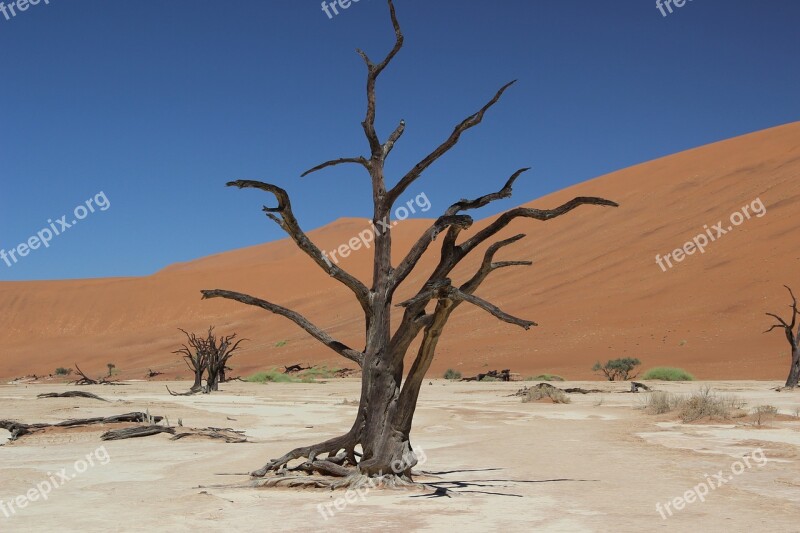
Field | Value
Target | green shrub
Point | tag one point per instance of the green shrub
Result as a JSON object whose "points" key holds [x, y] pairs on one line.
{"points": [[281, 343], [490, 378], [452, 374], [618, 368], [545, 377], [665, 373], [276, 376], [61, 371], [318, 372]]}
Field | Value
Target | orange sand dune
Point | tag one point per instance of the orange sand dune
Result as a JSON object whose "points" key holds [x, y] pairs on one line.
{"points": [[595, 288]]}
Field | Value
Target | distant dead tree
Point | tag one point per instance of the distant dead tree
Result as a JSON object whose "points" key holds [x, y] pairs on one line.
{"points": [[207, 356], [382, 425], [793, 338], [86, 380]]}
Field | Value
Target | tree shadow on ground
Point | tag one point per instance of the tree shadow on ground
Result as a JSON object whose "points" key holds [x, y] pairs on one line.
{"points": [[450, 487]]}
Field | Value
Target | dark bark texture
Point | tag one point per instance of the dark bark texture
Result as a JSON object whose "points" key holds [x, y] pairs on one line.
{"points": [[793, 336], [378, 444]]}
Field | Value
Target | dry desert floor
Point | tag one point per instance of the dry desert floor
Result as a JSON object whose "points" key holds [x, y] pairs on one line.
{"points": [[599, 463]]}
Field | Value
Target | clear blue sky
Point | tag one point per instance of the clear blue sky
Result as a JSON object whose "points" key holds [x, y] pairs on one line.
{"points": [[158, 103]]}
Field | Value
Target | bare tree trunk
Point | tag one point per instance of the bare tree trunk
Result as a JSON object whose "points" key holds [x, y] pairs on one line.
{"points": [[198, 379], [788, 328], [794, 371], [386, 409]]}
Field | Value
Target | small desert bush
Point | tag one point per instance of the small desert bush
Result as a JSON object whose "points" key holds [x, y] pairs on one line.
{"points": [[452, 374], [490, 378], [707, 404], [763, 412], [665, 373], [658, 402], [553, 393], [703, 404], [61, 371], [544, 377], [276, 376], [319, 372]]}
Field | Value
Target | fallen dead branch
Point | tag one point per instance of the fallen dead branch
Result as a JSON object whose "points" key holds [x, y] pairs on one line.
{"points": [[502, 375], [71, 394], [151, 427], [18, 429], [227, 434], [291, 369], [135, 432], [86, 380], [526, 391]]}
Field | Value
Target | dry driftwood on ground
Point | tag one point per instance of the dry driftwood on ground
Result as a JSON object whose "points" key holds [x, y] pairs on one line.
{"points": [[18, 429], [227, 434], [150, 427], [291, 369], [135, 432], [86, 380], [71, 394], [502, 375], [572, 390]]}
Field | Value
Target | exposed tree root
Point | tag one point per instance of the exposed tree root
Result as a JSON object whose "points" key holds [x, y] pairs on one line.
{"points": [[345, 443], [354, 480], [71, 394], [191, 392]]}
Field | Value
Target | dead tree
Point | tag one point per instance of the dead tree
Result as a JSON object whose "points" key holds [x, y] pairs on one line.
{"points": [[86, 380], [206, 357], [793, 338], [386, 408]]}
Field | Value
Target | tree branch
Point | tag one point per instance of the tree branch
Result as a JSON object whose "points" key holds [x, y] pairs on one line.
{"points": [[444, 290], [505, 192], [341, 161], [297, 318], [449, 219], [373, 71], [289, 223], [524, 212], [410, 260], [469, 122], [393, 138], [487, 265], [493, 309]]}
